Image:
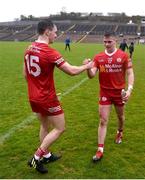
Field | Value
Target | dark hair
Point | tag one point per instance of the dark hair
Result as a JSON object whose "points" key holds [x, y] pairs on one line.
{"points": [[108, 34], [43, 25]]}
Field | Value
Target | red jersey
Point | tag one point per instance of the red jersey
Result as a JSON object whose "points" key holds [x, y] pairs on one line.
{"points": [[40, 60], [112, 68]]}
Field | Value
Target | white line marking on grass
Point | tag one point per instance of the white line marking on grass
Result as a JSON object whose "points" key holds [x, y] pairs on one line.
{"points": [[30, 118], [73, 87], [23, 124]]}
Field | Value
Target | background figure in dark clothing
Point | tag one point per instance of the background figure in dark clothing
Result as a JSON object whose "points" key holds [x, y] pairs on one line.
{"points": [[123, 45], [131, 49], [67, 43]]}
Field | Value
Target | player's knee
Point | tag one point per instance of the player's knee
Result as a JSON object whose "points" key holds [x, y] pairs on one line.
{"points": [[61, 130], [103, 121]]}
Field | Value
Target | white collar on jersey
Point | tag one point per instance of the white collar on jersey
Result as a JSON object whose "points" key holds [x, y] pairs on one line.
{"points": [[110, 54], [41, 41]]}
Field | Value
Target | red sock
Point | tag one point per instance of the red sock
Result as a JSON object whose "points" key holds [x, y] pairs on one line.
{"points": [[39, 153], [101, 147]]}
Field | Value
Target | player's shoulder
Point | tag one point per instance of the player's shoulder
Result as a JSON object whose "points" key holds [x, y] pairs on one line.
{"points": [[51, 49], [99, 55], [53, 54], [122, 53]]}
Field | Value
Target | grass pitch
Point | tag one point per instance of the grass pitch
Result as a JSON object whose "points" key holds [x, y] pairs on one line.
{"points": [[19, 128]]}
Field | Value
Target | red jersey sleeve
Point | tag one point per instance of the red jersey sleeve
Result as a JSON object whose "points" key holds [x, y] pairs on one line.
{"points": [[57, 58], [128, 62], [95, 60]]}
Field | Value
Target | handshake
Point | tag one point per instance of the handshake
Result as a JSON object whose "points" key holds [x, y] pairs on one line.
{"points": [[88, 63]]}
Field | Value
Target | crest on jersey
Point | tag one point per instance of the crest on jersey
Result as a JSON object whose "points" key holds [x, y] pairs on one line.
{"points": [[109, 60], [104, 98], [118, 60]]}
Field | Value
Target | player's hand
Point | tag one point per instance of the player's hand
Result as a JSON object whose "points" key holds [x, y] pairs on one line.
{"points": [[86, 61], [89, 65], [126, 97]]}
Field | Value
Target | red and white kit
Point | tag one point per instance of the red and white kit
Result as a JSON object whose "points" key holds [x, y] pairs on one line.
{"points": [[112, 69], [40, 60]]}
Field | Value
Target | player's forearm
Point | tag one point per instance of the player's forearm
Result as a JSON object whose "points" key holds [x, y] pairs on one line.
{"points": [[77, 69], [90, 73], [130, 80], [74, 70]]}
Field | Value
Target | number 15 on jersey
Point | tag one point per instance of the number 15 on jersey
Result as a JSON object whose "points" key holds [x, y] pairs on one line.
{"points": [[32, 63]]}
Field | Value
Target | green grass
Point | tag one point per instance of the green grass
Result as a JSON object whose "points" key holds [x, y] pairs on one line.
{"points": [[78, 143]]}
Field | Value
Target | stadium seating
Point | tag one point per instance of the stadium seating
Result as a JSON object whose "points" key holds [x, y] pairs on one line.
{"points": [[127, 29], [101, 28], [77, 30]]}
